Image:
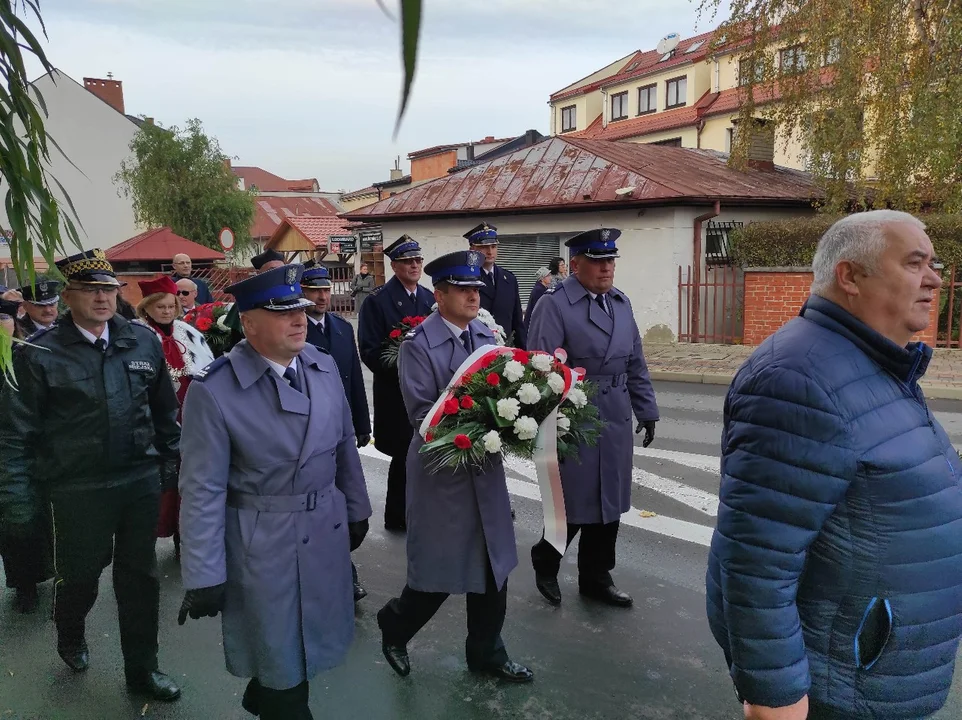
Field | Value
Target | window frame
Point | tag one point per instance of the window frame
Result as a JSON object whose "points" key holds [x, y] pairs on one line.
{"points": [[653, 104], [574, 111], [755, 74], [676, 80], [623, 96], [795, 52]]}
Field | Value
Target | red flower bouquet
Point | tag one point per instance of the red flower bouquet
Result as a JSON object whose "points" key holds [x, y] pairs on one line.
{"points": [[392, 345], [498, 402], [211, 320]]}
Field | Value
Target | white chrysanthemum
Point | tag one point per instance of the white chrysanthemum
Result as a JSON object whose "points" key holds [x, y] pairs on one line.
{"points": [[564, 424], [513, 371], [492, 442], [529, 394], [526, 428], [577, 397], [542, 362], [556, 383], [509, 408]]}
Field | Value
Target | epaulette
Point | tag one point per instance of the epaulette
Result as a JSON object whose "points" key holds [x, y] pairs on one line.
{"points": [[37, 334], [378, 289], [551, 290], [205, 372]]}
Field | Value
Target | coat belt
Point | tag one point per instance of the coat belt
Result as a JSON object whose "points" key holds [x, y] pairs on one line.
{"points": [[612, 380], [274, 503]]}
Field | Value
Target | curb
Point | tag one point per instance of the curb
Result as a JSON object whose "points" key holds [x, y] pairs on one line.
{"points": [[932, 392]]}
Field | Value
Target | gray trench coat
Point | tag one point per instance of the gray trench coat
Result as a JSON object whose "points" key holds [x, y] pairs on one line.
{"points": [[458, 522], [253, 442], [597, 483]]}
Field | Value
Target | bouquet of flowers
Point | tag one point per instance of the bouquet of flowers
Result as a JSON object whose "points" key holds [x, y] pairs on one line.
{"points": [[211, 320], [488, 319], [498, 402], [392, 345]]}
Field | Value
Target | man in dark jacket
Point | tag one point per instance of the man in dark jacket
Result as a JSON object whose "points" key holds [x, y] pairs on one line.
{"points": [[183, 267], [500, 295], [835, 573], [399, 297], [334, 335], [40, 300], [93, 420]]}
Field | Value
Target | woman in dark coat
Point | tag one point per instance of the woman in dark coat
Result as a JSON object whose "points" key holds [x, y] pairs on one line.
{"points": [[28, 560]]}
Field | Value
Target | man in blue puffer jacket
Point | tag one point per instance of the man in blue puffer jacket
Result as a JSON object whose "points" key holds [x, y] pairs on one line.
{"points": [[835, 573]]}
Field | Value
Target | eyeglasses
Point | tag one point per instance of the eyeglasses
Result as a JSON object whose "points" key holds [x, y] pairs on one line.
{"points": [[5, 318], [185, 293]]}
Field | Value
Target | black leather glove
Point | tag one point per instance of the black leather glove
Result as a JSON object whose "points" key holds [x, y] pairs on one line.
{"points": [[202, 602], [357, 531], [168, 474], [363, 440], [649, 428]]}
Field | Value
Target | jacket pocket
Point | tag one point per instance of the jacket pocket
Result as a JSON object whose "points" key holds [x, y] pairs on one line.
{"points": [[873, 633]]}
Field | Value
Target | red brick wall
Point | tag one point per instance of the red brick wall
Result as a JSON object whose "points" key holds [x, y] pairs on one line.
{"points": [[774, 298]]}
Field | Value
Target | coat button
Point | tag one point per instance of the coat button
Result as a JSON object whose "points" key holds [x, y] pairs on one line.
{"points": [[605, 391], [333, 453], [337, 526], [305, 539]]}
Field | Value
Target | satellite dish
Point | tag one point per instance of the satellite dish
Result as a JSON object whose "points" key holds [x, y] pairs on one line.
{"points": [[668, 43]]}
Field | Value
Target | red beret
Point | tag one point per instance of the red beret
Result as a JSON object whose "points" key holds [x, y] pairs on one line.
{"points": [[163, 284]]}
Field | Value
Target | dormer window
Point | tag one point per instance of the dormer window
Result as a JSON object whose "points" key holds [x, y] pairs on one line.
{"points": [[676, 92], [619, 106]]}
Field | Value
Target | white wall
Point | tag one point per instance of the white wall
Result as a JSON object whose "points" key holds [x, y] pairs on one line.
{"points": [[95, 138], [654, 243]]}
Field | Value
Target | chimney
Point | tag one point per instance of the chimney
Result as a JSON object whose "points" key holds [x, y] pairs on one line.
{"points": [[761, 144], [110, 91], [488, 139], [396, 173]]}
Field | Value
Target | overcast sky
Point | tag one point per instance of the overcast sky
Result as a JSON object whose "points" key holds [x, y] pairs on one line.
{"points": [[309, 88]]}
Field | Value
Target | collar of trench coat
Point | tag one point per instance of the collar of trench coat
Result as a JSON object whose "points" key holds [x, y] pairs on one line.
{"points": [[249, 367], [437, 333]]}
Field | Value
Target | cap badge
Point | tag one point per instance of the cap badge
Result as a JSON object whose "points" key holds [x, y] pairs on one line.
{"points": [[605, 234], [291, 276]]}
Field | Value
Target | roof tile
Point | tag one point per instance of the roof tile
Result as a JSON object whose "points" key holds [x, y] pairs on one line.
{"points": [[160, 244]]}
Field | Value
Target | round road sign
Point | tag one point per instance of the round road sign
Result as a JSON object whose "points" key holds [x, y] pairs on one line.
{"points": [[226, 238]]}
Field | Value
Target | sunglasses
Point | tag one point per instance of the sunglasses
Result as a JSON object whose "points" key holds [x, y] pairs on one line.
{"points": [[185, 293]]}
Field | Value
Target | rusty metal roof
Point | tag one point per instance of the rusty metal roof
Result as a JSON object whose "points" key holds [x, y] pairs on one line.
{"points": [[563, 173]]}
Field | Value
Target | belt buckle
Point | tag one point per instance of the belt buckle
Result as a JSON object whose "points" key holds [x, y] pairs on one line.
{"points": [[311, 500]]}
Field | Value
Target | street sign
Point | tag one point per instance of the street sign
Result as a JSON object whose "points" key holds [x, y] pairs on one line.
{"points": [[345, 243], [370, 239], [226, 238]]}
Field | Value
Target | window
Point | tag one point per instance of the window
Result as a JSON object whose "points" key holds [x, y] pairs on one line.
{"points": [[667, 56], [834, 51], [670, 142], [792, 59], [647, 99], [729, 139], [694, 46], [569, 118], [750, 71], [676, 92], [619, 106]]}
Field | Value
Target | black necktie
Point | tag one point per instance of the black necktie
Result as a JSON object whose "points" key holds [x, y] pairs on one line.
{"points": [[414, 298], [488, 278], [600, 299], [290, 374], [100, 344], [466, 340]]}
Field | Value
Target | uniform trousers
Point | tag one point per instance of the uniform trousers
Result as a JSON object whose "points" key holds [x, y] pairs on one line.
{"points": [[270, 704], [395, 502], [596, 554], [402, 618], [28, 561], [91, 529]]}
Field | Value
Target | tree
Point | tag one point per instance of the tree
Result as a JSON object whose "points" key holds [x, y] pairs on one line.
{"points": [[182, 179], [873, 90]]}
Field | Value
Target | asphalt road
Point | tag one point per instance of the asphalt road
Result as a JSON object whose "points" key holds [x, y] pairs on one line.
{"points": [[655, 661]]}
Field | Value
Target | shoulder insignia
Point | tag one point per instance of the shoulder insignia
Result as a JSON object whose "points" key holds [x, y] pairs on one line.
{"points": [[205, 372], [378, 289], [42, 331], [550, 290]]}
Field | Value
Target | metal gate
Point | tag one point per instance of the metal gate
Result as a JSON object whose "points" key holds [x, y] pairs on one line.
{"points": [[950, 309], [711, 295]]}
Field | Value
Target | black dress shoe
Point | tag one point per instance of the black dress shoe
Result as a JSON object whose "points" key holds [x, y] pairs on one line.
{"points": [[27, 600], [359, 592], [251, 700], [397, 658], [395, 525], [156, 685], [511, 672], [610, 595], [548, 586], [76, 655]]}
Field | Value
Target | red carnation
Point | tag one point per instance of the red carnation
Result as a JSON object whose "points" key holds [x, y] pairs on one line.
{"points": [[489, 360], [451, 406], [429, 437], [418, 319], [469, 378], [204, 324], [493, 379], [407, 320], [467, 402], [395, 334], [521, 356], [462, 442]]}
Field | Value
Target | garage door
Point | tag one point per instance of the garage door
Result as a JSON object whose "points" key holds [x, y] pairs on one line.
{"points": [[524, 254]]}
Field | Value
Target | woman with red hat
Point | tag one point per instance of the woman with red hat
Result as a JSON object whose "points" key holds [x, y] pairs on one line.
{"points": [[186, 352]]}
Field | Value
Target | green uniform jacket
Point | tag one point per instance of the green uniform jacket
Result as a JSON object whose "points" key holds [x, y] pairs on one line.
{"points": [[83, 418]]}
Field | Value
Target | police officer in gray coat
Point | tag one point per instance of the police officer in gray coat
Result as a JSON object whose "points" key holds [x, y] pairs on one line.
{"points": [[593, 321], [460, 535], [268, 519]]}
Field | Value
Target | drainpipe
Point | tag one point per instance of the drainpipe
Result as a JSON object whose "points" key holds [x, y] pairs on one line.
{"points": [[699, 127], [696, 270]]}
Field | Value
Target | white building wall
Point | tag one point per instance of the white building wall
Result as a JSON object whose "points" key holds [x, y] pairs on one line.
{"points": [[95, 138]]}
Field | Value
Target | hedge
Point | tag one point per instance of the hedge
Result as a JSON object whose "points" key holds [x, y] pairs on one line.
{"points": [[791, 243]]}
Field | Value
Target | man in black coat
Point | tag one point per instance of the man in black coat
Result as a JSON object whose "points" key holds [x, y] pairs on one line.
{"points": [[399, 297], [40, 305], [499, 296], [334, 334]]}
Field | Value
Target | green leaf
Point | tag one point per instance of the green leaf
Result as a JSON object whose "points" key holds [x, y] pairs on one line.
{"points": [[410, 34], [493, 408]]}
